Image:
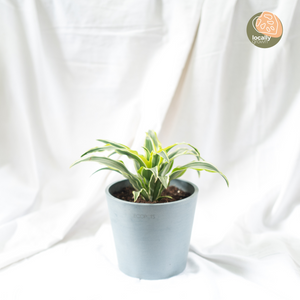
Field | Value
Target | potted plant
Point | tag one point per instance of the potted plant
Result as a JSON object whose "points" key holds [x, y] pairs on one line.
{"points": [[152, 211]]}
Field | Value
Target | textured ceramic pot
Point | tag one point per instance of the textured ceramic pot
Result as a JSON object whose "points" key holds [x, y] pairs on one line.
{"points": [[152, 240]]}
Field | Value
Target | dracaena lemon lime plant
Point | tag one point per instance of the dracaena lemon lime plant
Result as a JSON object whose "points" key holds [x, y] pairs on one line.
{"points": [[154, 169]]}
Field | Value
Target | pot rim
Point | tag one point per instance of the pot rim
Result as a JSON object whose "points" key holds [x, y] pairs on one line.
{"points": [[151, 204]]}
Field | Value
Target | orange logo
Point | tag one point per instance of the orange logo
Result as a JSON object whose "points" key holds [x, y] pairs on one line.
{"points": [[268, 24]]}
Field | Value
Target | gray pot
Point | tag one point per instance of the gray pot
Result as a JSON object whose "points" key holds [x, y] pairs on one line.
{"points": [[152, 240]]}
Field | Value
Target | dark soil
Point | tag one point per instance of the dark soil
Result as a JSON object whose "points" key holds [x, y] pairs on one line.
{"points": [[176, 194]]}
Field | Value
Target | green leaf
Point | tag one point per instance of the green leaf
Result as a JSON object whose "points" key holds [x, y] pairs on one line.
{"points": [[163, 197], [135, 181], [146, 173], [111, 143], [107, 162], [149, 144], [197, 153], [116, 166], [111, 154], [133, 155], [196, 150], [98, 149], [165, 168], [201, 165], [177, 174], [153, 136], [154, 170], [164, 180], [136, 195], [154, 159], [167, 149], [164, 155], [197, 156], [147, 153], [157, 190], [152, 186], [110, 169], [183, 151], [145, 195], [136, 165], [141, 192], [180, 151]]}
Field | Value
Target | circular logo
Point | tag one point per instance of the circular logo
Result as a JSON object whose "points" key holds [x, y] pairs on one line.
{"points": [[264, 30]]}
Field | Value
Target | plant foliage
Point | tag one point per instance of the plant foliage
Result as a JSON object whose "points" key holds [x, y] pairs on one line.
{"points": [[154, 169]]}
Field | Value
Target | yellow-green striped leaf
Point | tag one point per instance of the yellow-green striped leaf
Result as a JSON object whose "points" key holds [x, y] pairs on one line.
{"points": [[111, 143], [164, 180], [134, 155], [164, 155], [153, 136], [99, 149], [107, 162], [149, 144], [201, 165]]}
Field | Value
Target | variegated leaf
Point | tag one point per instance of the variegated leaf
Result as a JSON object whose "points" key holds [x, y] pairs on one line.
{"points": [[107, 162], [153, 136], [149, 144], [201, 165], [99, 149], [164, 180], [111, 143], [133, 155], [177, 174], [164, 155]]}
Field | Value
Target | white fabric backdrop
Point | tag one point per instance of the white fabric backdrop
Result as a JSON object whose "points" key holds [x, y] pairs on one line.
{"points": [[75, 71]]}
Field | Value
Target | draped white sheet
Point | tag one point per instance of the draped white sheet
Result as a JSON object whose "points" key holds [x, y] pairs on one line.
{"points": [[75, 71]]}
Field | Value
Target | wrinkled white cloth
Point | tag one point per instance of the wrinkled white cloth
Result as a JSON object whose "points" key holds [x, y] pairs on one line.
{"points": [[75, 71]]}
